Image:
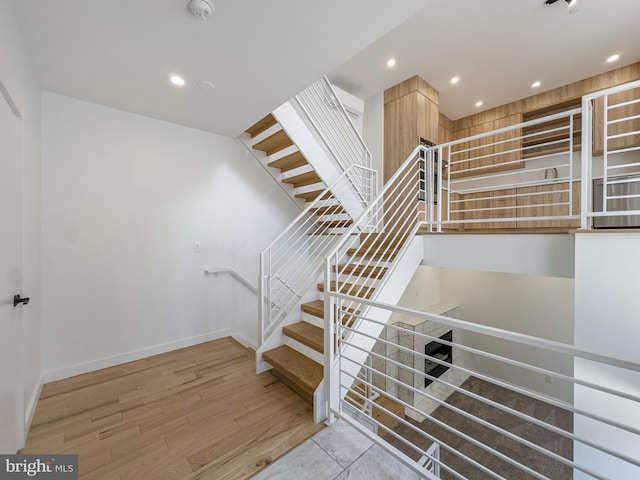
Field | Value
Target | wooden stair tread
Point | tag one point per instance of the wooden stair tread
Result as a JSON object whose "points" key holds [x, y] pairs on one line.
{"points": [[316, 308], [383, 417], [382, 239], [336, 223], [276, 142], [304, 179], [261, 125], [366, 252], [377, 413], [364, 270], [356, 290], [296, 370], [289, 162], [328, 210], [311, 196], [307, 334]]}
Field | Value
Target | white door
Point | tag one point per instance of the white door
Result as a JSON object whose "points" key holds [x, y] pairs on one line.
{"points": [[9, 279]]}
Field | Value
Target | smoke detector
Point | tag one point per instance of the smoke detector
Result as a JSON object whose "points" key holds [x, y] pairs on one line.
{"points": [[202, 8]]}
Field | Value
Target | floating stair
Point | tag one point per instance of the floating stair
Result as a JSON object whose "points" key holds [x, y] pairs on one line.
{"points": [[306, 334], [296, 370], [273, 144], [289, 162], [265, 124]]}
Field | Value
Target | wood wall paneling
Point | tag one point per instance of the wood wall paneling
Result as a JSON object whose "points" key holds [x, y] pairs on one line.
{"points": [[411, 112]]}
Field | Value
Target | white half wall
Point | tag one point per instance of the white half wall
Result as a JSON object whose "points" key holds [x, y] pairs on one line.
{"points": [[19, 79], [125, 200], [607, 303], [546, 255]]}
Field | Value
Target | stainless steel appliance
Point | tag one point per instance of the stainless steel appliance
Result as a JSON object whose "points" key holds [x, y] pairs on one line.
{"points": [[629, 185]]}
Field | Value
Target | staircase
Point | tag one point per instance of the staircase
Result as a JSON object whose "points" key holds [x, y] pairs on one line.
{"points": [[304, 374], [322, 163], [281, 153]]}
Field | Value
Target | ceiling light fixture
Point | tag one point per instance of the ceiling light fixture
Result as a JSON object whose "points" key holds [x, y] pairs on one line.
{"points": [[479, 103], [536, 84], [391, 62], [455, 79], [202, 8], [613, 58], [570, 3], [177, 80]]}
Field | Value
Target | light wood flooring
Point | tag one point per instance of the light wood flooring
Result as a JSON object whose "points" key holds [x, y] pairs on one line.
{"points": [[196, 413]]}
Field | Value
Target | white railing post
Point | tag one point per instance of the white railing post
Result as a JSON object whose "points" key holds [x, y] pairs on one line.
{"points": [[331, 375], [586, 159], [441, 161]]}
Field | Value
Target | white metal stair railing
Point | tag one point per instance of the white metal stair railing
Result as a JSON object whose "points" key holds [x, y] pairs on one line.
{"points": [[292, 263], [508, 175], [361, 264], [530, 456], [331, 122], [618, 119]]}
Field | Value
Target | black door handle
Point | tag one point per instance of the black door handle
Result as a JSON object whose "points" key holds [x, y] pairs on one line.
{"points": [[17, 300]]}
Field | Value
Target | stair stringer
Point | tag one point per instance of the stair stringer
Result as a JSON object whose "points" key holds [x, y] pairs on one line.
{"points": [[301, 133], [389, 291]]}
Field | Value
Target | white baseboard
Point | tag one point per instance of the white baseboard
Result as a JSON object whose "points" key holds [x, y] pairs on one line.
{"points": [[106, 362], [245, 341], [31, 406]]}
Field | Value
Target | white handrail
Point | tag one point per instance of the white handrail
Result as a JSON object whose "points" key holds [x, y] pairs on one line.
{"points": [[233, 273]]}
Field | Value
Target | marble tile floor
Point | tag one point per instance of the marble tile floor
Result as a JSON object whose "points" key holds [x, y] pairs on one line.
{"points": [[338, 452]]}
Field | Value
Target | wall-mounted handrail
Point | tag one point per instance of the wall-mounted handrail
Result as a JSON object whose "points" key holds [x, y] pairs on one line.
{"points": [[234, 274]]}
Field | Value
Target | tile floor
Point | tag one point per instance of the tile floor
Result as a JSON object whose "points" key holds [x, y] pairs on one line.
{"points": [[338, 452]]}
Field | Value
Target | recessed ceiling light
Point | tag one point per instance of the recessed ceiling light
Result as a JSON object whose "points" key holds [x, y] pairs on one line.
{"points": [[479, 103], [391, 62], [455, 79], [613, 58], [536, 84], [572, 3], [176, 80]]}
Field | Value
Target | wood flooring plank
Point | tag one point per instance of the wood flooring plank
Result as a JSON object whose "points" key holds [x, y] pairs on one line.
{"points": [[161, 417]]}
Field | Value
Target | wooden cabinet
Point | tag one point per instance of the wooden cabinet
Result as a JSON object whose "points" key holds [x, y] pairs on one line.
{"points": [[411, 112], [492, 154], [537, 143]]}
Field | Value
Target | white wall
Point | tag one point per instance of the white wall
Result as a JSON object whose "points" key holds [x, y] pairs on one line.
{"points": [[607, 305], [19, 79], [533, 305], [124, 199], [545, 255]]}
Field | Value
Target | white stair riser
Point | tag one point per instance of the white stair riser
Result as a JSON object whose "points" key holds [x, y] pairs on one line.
{"points": [[297, 171], [266, 134], [304, 350]]}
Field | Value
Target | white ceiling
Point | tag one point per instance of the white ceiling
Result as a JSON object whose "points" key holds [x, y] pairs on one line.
{"points": [[258, 53], [498, 48]]}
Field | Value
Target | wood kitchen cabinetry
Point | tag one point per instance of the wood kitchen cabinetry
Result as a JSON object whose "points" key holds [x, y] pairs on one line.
{"points": [[618, 127], [411, 112]]}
